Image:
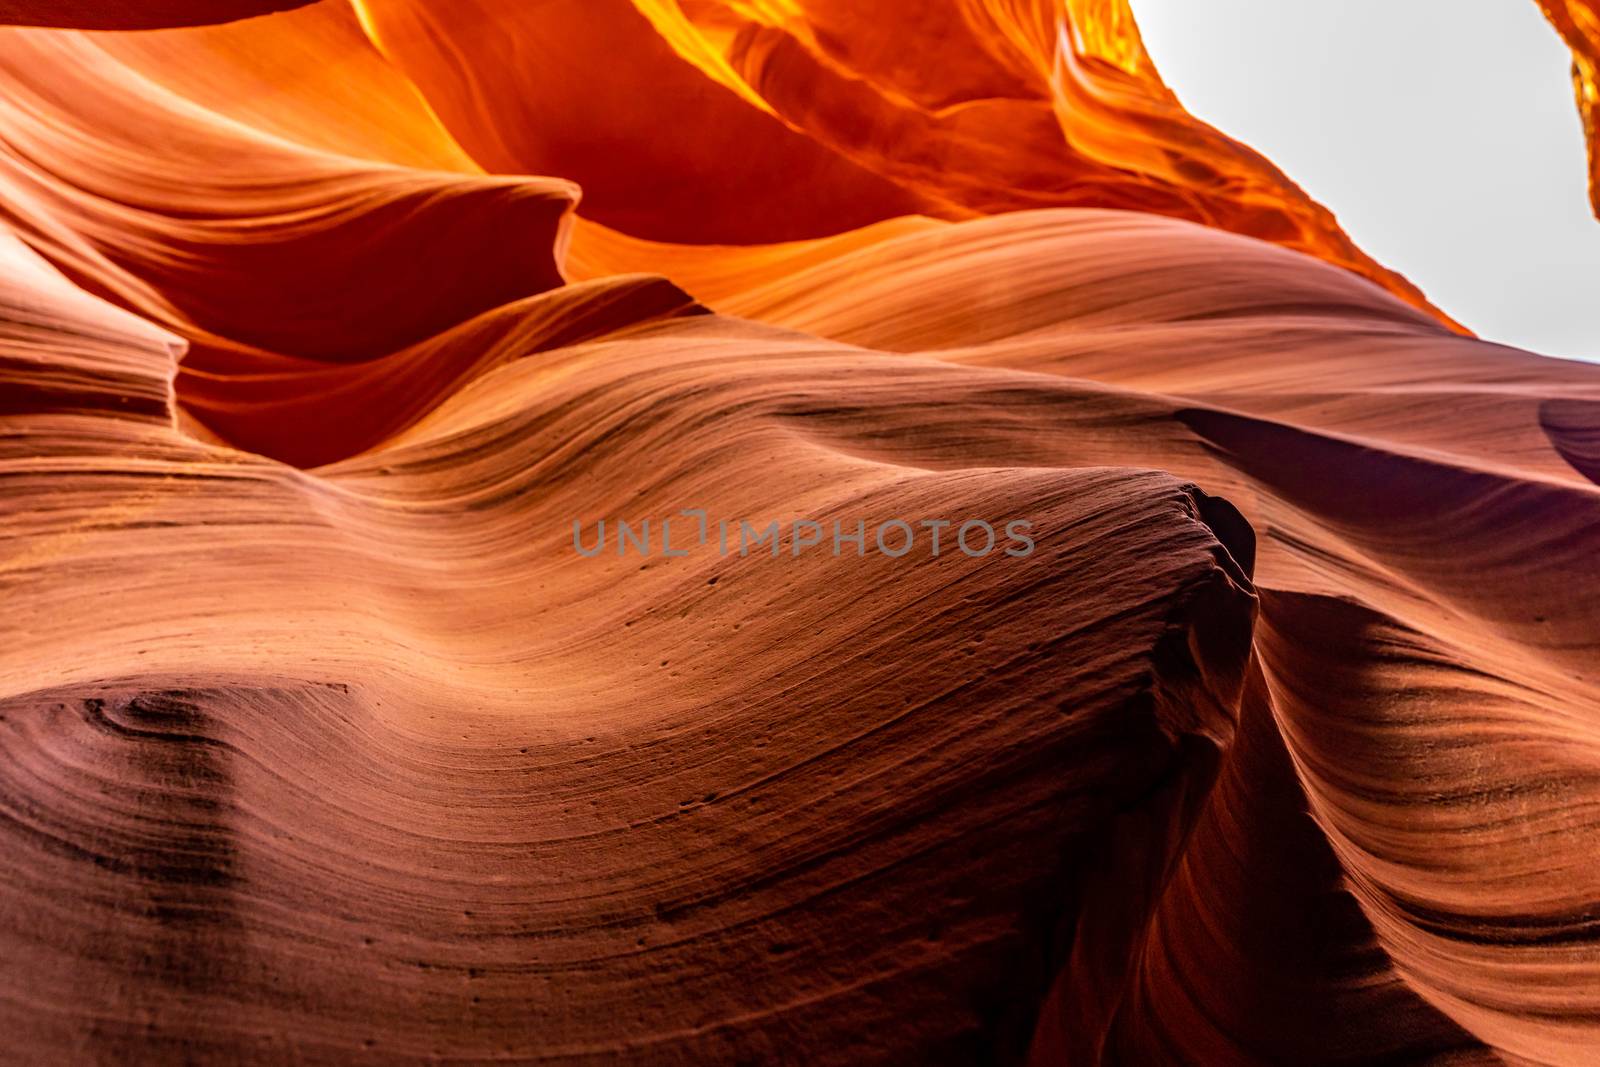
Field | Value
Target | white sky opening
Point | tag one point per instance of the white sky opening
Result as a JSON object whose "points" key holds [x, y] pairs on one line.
{"points": [[1442, 134]]}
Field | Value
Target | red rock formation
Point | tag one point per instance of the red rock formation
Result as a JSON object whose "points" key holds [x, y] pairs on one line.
{"points": [[134, 14], [322, 743], [1578, 22]]}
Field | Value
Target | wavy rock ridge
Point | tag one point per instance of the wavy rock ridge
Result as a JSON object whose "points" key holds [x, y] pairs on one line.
{"points": [[323, 743]]}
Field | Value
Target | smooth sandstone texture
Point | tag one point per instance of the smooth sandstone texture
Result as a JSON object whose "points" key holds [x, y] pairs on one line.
{"points": [[319, 743]]}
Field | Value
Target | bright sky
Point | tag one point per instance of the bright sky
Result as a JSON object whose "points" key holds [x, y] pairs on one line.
{"points": [[1442, 133]]}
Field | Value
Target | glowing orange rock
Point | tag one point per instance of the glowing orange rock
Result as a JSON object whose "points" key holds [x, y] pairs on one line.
{"points": [[959, 110], [1579, 24]]}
